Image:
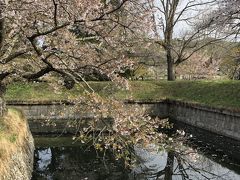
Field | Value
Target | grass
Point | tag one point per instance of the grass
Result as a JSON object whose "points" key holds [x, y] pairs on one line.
{"points": [[224, 94], [13, 130], [42, 91]]}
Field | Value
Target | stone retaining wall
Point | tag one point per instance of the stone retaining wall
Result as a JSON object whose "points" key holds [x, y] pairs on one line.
{"points": [[54, 117], [221, 121], [157, 109]]}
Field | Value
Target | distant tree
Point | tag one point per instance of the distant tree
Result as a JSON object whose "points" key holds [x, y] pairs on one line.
{"points": [[168, 15], [199, 66], [230, 64], [226, 18]]}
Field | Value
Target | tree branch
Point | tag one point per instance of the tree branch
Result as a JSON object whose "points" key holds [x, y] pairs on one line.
{"points": [[39, 74]]}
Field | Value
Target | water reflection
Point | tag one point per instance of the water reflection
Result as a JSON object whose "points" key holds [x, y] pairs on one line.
{"points": [[179, 166], [73, 162], [224, 151]]}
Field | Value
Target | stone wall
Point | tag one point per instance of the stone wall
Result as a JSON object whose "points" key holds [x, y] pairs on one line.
{"points": [[54, 117], [158, 108], [221, 121], [225, 122]]}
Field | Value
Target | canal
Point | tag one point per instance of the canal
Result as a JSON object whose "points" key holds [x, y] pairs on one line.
{"points": [[205, 156]]}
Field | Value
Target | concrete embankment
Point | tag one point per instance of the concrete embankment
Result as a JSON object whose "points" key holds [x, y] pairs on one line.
{"points": [[225, 122], [61, 116], [55, 117], [221, 121], [16, 147]]}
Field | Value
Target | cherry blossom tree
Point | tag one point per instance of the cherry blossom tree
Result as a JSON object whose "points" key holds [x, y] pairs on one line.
{"points": [[199, 66], [64, 39]]}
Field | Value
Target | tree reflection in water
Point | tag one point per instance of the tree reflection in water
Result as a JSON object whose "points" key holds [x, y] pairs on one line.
{"points": [[76, 163], [181, 166]]}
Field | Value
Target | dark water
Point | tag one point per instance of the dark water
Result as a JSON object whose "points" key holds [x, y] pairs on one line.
{"points": [[61, 159], [217, 158]]}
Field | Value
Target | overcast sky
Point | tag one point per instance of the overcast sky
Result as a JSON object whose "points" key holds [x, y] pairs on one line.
{"points": [[182, 27]]}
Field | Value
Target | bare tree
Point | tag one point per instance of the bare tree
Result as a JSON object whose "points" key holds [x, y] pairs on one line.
{"points": [[226, 16], [169, 15]]}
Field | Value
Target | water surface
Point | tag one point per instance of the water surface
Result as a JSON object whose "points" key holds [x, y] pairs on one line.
{"points": [[62, 159]]}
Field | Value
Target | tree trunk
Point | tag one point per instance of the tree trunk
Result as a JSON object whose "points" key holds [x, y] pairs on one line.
{"points": [[170, 66], [170, 22], [2, 87], [169, 167], [169, 56], [1, 24], [1, 31], [2, 101]]}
